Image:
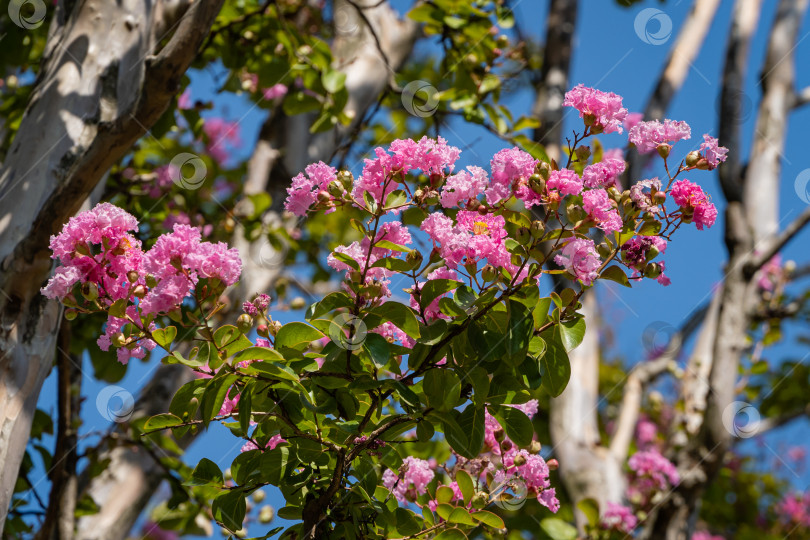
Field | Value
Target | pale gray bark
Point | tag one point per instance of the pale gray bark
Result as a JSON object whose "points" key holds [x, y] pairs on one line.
{"points": [[99, 86]]}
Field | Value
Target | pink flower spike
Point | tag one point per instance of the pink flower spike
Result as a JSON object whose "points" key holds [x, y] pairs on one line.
{"points": [[648, 136], [565, 181], [579, 257], [712, 152], [605, 108]]}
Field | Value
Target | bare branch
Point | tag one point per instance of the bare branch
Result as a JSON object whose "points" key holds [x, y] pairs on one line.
{"points": [[802, 98], [768, 424], [777, 243], [732, 96]]}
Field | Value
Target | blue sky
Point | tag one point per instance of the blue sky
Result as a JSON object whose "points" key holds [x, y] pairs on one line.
{"points": [[609, 55]]}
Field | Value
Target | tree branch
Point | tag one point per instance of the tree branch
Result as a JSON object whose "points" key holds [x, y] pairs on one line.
{"points": [[777, 243]]}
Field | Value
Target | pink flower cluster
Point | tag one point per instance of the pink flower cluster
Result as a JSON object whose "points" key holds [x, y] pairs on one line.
{"points": [[619, 518], [712, 152], [257, 305], [411, 481], [222, 137], [637, 251], [602, 209], [602, 110], [306, 190], [794, 509], [651, 472], [98, 252], [771, 274], [648, 136], [274, 441], [511, 167], [473, 238], [381, 175], [694, 203], [580, 258], [605, 173], [516, 464]]}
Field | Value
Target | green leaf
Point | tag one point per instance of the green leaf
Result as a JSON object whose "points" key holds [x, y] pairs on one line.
{"points": [[558, 529], [650, 228], [489, 519], [451, 534], [462, 516], [333, 81], [395, 199], [516, 424], [442, 388], [465, 431], [572, 333], [214, 396], [465, 484], [164, 336], [229, 509], [118, 308], [400, 315], [161, 421], [245, 406], [385, 244], [424, 431], [297, 335], [435, 288], [555, 368], [205, 473], [342, 257], [257, 353], [590, 508], [377, 348], [444, 494], [392, 263], [331, 302], [615, 273], [519, 332]]}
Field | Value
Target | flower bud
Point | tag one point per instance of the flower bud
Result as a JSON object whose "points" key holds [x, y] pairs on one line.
{"points": [[139, 291], [414, 258], [335, 189], [537, 229], [90, 291], [244, 323], [151, 281], [432, 197], [543, 169], [498, 434], [275, 326], [553, 464], [323, 196], [482, 210], [703, 164], [266, 514], [502, 41], [119, 339], [418, 194], [374, 290], [436, 180], [488, 273], [70, 301], [535, 447], [789, 266], [652, 270], [480, 500], [583, 152], [537, 183], [659, 198], [70, 314], [298, 303], [663, 150], [596, 129], [345, 178], [589, 119], [523, 236], [692, 158], [258, 496], [519, 460], [652, 252], [614, 193], [241, 533], [575, 213], [83, 249], [132, 276], [263, 330]]}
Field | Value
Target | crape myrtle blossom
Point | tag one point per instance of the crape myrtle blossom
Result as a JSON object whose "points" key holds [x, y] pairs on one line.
{"points": [[463, 188], [619, 518], [604, 174], [602, 111], [647, 195], [771, 273], [511, 169], [651, 472], [648, 136], [580, 258], [712, 152], [694, 203], [99, 253], [411, 481], [602, 209], [639, 250], [306, 189]]}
